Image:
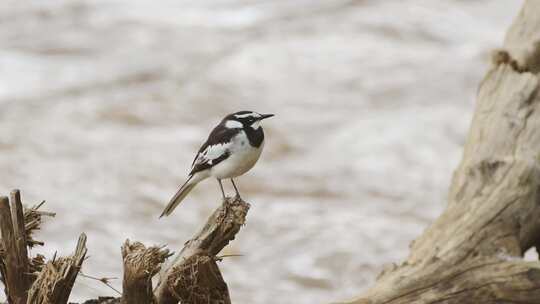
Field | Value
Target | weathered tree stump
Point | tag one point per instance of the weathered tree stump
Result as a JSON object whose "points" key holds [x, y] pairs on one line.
{"points": [[55, 281], [194, 277], [140, 265], [17, 270], [15, 264]]}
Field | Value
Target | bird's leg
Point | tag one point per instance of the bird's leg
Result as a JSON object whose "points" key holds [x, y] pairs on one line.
{"points": [[221, 187], [235, 189]]}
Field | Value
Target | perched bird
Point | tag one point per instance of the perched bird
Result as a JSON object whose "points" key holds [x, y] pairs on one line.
{"points": [[232, 149]]}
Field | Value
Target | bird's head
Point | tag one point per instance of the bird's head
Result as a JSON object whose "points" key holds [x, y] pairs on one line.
{"points": [[244, 119]]}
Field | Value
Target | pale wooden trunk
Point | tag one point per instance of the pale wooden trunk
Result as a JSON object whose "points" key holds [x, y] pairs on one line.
{"points": [[473, 253]]}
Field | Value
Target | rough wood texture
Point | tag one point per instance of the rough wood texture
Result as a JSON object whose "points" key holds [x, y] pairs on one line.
{"points": [[523, 38], [194, 277], [15, 267], [17, 215], [54, 283], [473, 252], [140, 265], [14, 291], [32, 222], [17, 270]]}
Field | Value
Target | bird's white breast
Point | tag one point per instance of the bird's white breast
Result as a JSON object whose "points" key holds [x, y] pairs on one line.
{"points": [[242, 158]]}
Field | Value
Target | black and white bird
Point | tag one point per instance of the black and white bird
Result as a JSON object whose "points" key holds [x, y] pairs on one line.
{"points": [[232, 149]]}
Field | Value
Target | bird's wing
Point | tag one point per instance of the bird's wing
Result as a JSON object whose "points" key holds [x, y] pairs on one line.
{"points": [[215, 150], [210, 157]]}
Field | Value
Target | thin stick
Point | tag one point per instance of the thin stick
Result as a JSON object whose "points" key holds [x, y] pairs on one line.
{"points": [[103, 280]]}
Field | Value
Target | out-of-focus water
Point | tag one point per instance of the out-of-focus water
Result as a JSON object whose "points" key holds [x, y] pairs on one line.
{"points": [[104, 103]]}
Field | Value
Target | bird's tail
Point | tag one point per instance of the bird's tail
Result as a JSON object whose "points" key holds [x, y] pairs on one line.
{"points": [[180, 195]]}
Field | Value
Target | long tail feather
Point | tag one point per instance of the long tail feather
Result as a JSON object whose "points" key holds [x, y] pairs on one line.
{"points": [[179, 196]]}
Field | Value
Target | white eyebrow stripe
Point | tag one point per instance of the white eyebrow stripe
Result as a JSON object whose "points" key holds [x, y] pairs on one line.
{"points": [[233, 124], [246, 115]]}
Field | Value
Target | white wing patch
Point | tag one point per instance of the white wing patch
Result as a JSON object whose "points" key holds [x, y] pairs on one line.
{"points": [[211, 153]]}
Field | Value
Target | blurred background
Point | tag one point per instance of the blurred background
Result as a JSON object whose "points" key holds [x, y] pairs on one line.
{"points": [[104, 103]]}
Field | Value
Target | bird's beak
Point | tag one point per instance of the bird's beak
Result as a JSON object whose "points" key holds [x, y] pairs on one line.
{"points": [[264, 116]]}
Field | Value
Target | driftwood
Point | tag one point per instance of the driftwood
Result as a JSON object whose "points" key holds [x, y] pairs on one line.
{"points": [[29, 280], [55, 281], [192, 278], [140, 265], [473, 253], [15, 262], [17, 271]]}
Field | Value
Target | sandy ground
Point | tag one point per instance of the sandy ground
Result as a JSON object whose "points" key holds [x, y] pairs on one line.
{"points": [[104, 103]]}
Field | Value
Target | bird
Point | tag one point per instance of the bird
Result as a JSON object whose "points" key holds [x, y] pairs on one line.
{"points": [[232, 149]]}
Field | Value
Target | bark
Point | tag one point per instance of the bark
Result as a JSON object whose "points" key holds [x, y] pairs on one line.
{"points": [[473, 252], [140, 265], [194, 276], [54, 283], [15, 261], [30, 280], [17, 270]]}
